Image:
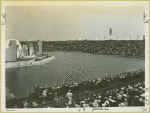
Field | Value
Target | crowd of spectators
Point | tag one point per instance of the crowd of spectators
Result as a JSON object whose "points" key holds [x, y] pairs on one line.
{"points": [[126, 96], [131, 95], [110, 47]]}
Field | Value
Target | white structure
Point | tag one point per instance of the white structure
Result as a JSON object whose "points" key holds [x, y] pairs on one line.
{"points": [[13, 50]]}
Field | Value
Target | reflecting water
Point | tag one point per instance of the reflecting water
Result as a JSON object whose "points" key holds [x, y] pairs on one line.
{"points": [[67, 68]]}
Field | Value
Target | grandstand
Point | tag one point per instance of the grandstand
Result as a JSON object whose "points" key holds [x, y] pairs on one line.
{"points": [[122, 90], [90, 56], [110, 47]]}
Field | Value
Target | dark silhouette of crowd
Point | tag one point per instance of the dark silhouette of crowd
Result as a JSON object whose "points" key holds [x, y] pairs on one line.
{"points": [[131, 95], [109, 47], [128, 95]]}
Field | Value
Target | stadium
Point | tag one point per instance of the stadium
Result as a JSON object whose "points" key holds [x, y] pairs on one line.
{"points": [[103, 90], [88, 58]]}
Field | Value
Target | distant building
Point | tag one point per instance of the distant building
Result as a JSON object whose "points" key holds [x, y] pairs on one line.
{"points": [[31, 47], [40, 46], [15, 49], [11, 51]]}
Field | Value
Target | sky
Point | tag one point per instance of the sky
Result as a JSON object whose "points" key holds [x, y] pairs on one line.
{"points": [[74, 21]]}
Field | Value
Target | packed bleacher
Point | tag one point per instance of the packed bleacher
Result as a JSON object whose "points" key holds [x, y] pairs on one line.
{"points": [[121, 95], [110, 47], [131, 95]]}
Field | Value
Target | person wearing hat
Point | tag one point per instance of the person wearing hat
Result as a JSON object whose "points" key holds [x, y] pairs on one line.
{"points": [[125, 100], [86, 101], [69, 96], [34, 104], [136, 100], [121, 92], [25, 103], [112, 103], [140, 88], [106, 103], [99, 97], [95, 104], [50, 96], [130, 95], [44, 93], [99, 102], [141, 102], [56, 97], [125, 95], [136, 91], [121, 105], [130, 91], [143, 90], [81, 103], [119, 97]]}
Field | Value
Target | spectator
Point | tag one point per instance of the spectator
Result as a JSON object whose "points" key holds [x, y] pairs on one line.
{"points": [[69, 96], [25, 104], [34, 104], [50, 96], [131, 95], [44, 93], [56, 97], [141, 102]]}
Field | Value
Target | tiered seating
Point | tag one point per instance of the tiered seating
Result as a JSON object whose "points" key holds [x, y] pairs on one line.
{"points": [[124, 96], [110, 47]]}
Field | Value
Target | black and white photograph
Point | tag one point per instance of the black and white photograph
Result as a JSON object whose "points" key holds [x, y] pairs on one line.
{"points": [[75, 56]]}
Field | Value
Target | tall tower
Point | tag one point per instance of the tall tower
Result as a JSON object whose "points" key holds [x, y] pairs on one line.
{"points": [[110, 33]]}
